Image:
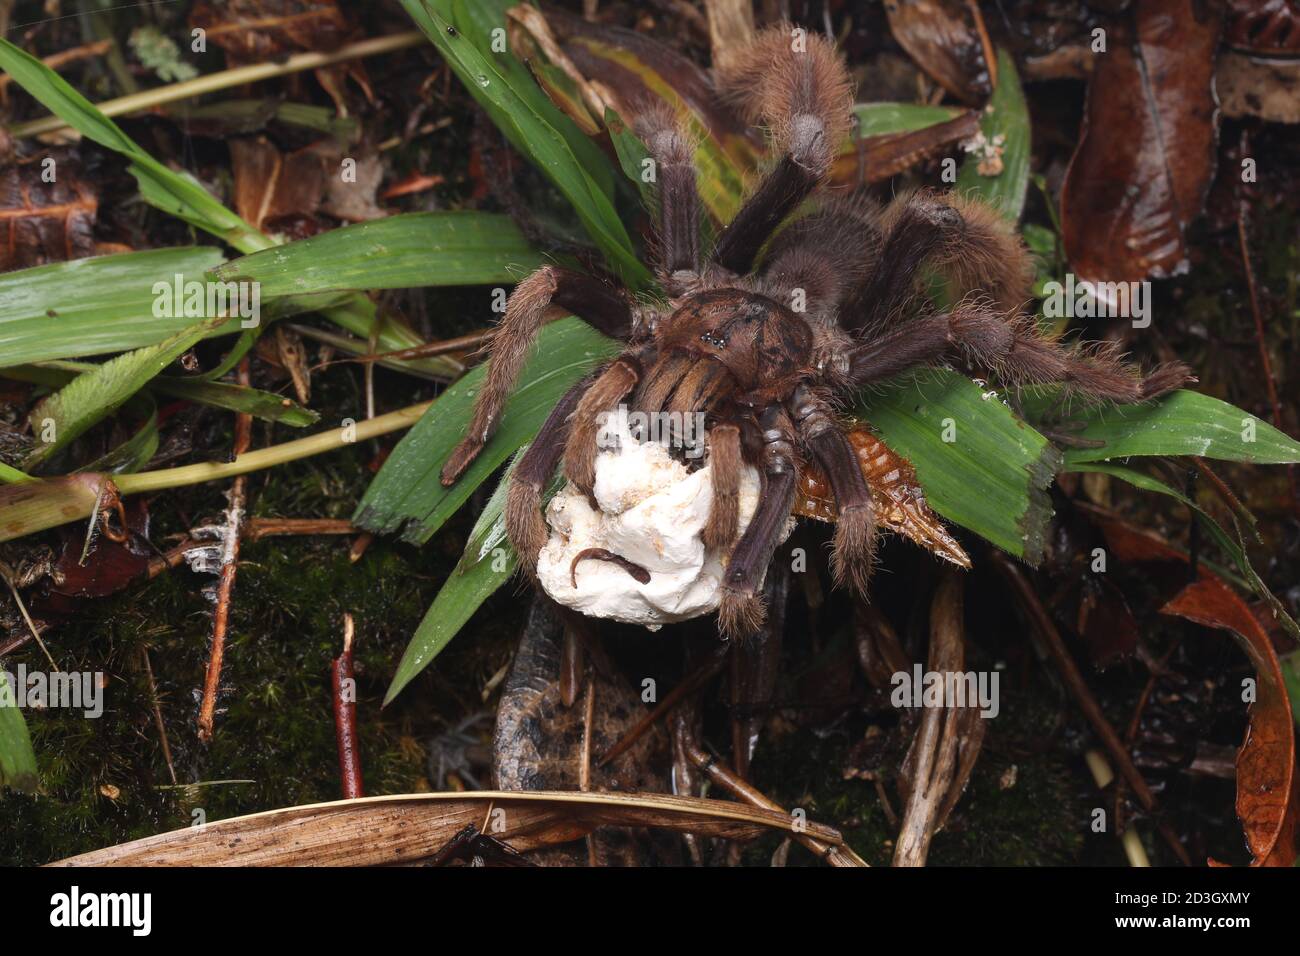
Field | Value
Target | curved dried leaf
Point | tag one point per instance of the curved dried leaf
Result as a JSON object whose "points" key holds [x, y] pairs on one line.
{"points": [[375, 831], [1128, 199]]}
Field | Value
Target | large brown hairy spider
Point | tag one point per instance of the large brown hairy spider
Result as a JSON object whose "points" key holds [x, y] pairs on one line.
{"points": [[765, 376]]}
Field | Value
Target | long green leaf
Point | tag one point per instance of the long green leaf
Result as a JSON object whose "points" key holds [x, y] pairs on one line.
{"points": [[400, 252], [407, 493], [17, 761], [980, 465], [236, 398], [881, 119], [181, 195], [488, 562], [533, 131], [94, 306], [1007, 116], [92, 396], [1184, 423]]}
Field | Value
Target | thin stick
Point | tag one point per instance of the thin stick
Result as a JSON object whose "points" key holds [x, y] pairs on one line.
{"points": [[719, 773], [157, 714], [345, 715], [229, 565], [673, 698], [1265, 362], [227, 79], [1078, 687]]}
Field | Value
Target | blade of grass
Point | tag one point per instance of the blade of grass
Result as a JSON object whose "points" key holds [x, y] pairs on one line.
{"points": [[1184, 423], [400, 252], [534, 132], [181, 195], [1007, 116], [236, 398], [407, 493], [17, 760], [93, 395], [93, 306]]}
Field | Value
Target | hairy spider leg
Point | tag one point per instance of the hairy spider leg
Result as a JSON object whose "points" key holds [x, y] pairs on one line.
{"points": [[796, 84], [596, 302], [741, 611], [853, 549], [524, 524]]}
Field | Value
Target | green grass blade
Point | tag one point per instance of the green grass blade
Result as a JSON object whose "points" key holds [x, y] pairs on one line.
{"points": [[533, 131], [17, 760], [181, 195], [407, 493], [1184, 423], [92, 396], [488, 562], [94, 306], [1007, 116], [991, 477], [881, 119], [400, 252]]}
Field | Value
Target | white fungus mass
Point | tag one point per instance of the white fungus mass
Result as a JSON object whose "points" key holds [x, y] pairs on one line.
{"points": [[651, 512]]}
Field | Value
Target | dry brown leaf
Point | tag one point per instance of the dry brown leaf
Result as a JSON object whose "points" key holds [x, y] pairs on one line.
{"points": [[943, 37], [895, 492], [374, 831], [1128, 199]]}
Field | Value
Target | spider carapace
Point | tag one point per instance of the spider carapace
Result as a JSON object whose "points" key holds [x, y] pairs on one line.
{"points": [[782, 321]]}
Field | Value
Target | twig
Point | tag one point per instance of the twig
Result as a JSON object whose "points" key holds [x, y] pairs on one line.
{"points": [[936, 740], [1265, 362], [671, 700], [157, 713], [226, 79], [229, 565], [345, 715], [1078, 687], [841, 855]]}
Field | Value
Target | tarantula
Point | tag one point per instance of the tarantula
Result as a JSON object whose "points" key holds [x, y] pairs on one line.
{"points": [[764, 348]]}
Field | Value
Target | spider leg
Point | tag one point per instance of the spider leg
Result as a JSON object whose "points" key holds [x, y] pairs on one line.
{"points": [[741, 611], [1017, 352], [854, 544], [679, 201], [795, 83], [725, 463], [524, 524], [966, 240], [613, 385], [602, 306]]}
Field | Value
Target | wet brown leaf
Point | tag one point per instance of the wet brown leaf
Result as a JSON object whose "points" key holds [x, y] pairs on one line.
{"points": [[873, 159], [895, 492], [943, 37], [1266, 801], [1129, 196], [253, 31], [44, 221]]}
